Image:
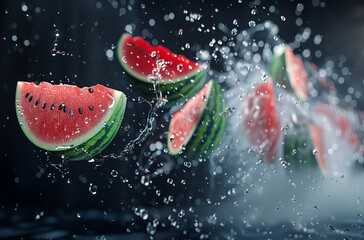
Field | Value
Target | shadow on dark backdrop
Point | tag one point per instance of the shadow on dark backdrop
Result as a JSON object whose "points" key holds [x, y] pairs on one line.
{"points": [[87, 29]]}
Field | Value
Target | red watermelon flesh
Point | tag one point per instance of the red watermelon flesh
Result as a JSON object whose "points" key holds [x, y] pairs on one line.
{"points": [[56, 117], [297, 74], [317, 141], [184, 122], [338, 118], [260, 119], [141, 59]]}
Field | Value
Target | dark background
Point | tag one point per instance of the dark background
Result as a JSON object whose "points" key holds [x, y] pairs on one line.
{"points": [[26, 178]]}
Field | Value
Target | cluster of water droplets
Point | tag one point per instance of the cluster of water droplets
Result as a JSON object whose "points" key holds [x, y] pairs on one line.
{"points": [[55, 51]]}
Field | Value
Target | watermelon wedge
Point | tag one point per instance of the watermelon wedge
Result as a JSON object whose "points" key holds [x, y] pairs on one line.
{"points": [[77, 123], [304, 147], [289, 70], [178, 78], [261, 123], [345, 123], [196, 130]]}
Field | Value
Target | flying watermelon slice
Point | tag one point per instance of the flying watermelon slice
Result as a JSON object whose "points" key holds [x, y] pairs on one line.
{"points": [[77, 123], [178, 78], [345, 123], [261, 123], [304, 147], [196, 129], [289, 70]]}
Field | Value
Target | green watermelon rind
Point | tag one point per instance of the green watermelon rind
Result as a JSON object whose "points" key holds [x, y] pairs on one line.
{"points": [[299, 138], [169, 88], [205, 137], [279, 73], [119, 98]]}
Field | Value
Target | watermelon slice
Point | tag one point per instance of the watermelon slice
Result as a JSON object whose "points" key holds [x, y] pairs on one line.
{"points": [[198, 127], [178, 78], [261, 123], [77, 123], [289, 70], [345, 122], [304, 147]]}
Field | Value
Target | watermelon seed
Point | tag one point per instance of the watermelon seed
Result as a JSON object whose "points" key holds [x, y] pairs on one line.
{"points": [[71, 112], [64, 109], [44, 105], [61, 106], [91, 108], [36, 102], [52, 107], [90, 90], [31, 98], [27, 95], [80, 110]]}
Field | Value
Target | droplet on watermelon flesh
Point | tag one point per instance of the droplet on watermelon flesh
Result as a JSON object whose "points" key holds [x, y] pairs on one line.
{"points": [[74, 136]]}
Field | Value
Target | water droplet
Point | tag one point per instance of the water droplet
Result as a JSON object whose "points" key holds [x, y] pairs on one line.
{"points": [[234, 31], [180, 67], [92, 189], [180, 32], [252, 24], [253, 12], [53, 52], [187, 164], [158, 192], [187, 46], [114, 173], [294, 152], [283, 18], [171, 139], [314, 152], [170, 180]]}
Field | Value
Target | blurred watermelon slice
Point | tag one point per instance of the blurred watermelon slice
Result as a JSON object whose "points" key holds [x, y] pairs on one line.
{"points": [[289, 70], [261, 123], [304, 147]]}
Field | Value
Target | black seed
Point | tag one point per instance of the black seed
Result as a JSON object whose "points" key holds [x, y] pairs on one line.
{"points": [[44, 105], [71, 112], [27, 95], [80, 110], [31, 98], [36, 102], [37, 82], [91, 108], [61, 106], [64, 109], [90, 90], [52, 107]]}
